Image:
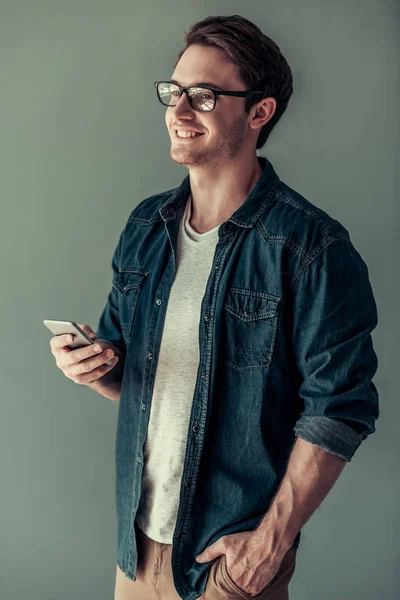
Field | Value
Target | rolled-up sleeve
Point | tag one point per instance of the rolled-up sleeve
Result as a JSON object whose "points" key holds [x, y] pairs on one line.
{"points": [[334, 313], [109, 326]]}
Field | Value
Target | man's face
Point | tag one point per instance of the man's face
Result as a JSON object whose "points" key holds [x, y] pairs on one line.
{"points": [[226, 133]]}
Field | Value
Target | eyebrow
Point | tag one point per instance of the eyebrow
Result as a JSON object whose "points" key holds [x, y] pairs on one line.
{"points": [[200, 83]]}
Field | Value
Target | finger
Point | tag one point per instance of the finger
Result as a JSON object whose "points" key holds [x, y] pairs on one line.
{"points": [[83, 354], [59, 342], [93, 372]]}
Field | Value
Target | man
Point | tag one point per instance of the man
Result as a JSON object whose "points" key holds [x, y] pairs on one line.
{"points": [[243, 315]]}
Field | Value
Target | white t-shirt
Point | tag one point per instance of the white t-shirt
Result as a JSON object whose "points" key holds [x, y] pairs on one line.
{"points": [[175, 381]]}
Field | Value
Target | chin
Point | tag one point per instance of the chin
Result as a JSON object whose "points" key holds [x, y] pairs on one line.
{"points": [[183, 158]]}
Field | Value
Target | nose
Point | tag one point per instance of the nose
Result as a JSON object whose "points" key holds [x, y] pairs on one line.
{"points": [[182, 105]]}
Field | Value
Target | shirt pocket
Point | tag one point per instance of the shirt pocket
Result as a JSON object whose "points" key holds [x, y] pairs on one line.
{"points": [[250, 322], [128, 283]]}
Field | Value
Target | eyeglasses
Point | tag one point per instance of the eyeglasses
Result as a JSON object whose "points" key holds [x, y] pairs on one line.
{"points": [[200, 98]]}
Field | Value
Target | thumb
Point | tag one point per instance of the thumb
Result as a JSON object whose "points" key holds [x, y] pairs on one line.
{"points": [[88, 330], [208, 554]]}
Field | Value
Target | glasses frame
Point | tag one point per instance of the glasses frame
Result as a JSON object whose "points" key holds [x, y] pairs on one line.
{"points": [[182, 89]]}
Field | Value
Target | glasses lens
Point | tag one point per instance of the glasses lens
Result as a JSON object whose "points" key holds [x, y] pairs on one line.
{"points": [[202, 98], [168, 93]]}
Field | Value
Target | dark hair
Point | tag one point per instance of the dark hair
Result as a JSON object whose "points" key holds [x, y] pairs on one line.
{"points": [[259, 59]]}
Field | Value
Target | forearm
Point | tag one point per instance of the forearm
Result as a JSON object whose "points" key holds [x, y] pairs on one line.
{"points": [[310, 475]]}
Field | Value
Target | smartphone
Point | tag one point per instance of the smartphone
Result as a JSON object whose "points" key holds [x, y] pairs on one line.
{"points": [[64, 327]]}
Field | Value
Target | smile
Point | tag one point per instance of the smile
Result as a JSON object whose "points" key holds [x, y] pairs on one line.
{"points": [[188, 136]]}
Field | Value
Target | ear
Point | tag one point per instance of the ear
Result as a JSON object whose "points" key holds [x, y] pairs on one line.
{"points": [[262, 112]]}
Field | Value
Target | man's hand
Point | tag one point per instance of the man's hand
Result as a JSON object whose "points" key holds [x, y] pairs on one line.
{"points": [[86, 366], [253, 557], [250, 560]]}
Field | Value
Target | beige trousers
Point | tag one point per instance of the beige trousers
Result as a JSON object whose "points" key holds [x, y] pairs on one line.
{"points": [[154, 579]]}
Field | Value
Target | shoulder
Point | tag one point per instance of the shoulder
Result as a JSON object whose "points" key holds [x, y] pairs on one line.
{"points": [[296, 221]]}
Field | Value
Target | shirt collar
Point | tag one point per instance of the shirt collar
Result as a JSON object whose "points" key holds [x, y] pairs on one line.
{"points": [[248, 213]]}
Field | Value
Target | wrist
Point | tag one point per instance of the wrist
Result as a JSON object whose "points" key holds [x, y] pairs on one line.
{"points": [[277, 528]]}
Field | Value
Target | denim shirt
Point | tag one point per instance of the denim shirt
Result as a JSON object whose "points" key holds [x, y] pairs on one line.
{"points": [[285, 350]]}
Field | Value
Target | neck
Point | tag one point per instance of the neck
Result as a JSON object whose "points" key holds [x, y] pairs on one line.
{"points": [[213, 200]]}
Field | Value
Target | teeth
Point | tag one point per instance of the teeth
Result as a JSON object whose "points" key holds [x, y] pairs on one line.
{"points": [[187, 134]]}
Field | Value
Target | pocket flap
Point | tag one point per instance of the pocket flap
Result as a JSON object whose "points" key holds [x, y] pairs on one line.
{"points": [[249, 305], [128, 280]]}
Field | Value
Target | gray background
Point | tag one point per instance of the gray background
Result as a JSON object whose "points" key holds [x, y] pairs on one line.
{"points": [[82, 141]]}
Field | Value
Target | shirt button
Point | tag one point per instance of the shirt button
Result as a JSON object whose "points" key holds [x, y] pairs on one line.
{"points": [[158, 301], [203, 374], [143, 407], [133, 509], [195, 428], [139, 460], [188, 483], [150, 356], [206, 317], [216, 266]]}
